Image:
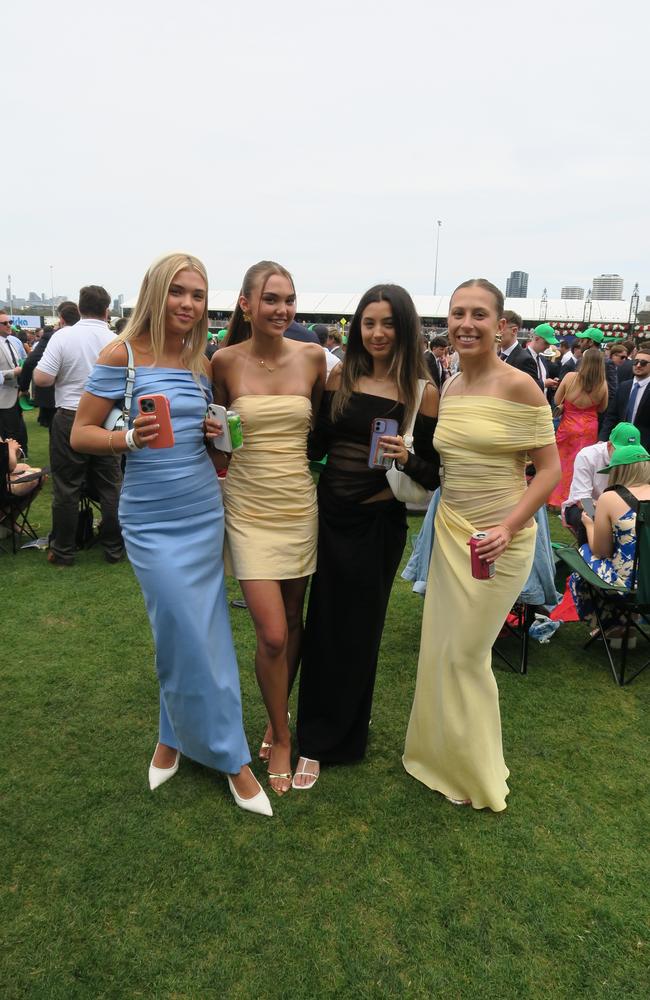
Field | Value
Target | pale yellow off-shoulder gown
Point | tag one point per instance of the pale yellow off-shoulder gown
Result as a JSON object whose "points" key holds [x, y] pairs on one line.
{"points": [[269, 495], [453, 742]]}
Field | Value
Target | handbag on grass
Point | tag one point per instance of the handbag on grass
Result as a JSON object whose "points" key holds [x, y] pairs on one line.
{"points": [[404, 488], [118, 418]]}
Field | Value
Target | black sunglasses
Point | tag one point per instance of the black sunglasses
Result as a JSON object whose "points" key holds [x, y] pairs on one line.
{"points": [[641, 364]]}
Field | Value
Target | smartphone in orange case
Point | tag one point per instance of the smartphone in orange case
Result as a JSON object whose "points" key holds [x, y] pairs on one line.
{"points": [[158, 404]]}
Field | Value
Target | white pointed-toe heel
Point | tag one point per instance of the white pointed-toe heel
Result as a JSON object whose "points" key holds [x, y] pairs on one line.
{"points": [[257, 804], [159, 775]]}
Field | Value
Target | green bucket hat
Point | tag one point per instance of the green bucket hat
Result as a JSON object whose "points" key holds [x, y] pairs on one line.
{"points": [[546, 332], [593, 333], [624, 434], [627, 454]]}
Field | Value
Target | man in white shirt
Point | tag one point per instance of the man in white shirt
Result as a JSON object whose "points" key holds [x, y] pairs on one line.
{"points": [[588, 482], [322, 332], [12, 352], [66, 364]]}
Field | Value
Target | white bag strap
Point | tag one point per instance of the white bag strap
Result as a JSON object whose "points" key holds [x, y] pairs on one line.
{"points": [[130, 382], [422, 384]]}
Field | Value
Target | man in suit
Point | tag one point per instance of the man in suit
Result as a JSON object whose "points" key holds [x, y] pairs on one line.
{"points": [[433, 358], [12, 353], [511, 350], [543, 337], [619, 354], [631, 401], [567, 361]]}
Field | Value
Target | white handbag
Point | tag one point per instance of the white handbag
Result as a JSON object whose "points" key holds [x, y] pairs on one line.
{"points": [[118, 418], [404, 488]]}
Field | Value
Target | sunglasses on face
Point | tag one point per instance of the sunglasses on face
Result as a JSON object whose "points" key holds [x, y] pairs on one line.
{"points": [[641, 364], [4, 323]]}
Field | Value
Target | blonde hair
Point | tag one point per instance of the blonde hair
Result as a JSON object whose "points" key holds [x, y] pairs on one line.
{"points": [[634, 474], [148, 317]]}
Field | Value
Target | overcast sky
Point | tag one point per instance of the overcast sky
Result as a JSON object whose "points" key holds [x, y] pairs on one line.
{"points": [[329, 135]]}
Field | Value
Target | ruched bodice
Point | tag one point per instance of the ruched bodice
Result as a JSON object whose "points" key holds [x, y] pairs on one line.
{"points": [[160, 481], [483, 442], [269, 493]]}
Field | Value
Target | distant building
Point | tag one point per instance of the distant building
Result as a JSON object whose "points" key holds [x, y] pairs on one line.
{"points": [[572, 292], [34, 298], [608, 287], [517, 285]]}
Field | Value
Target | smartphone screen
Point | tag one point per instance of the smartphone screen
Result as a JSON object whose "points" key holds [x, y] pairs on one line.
{"points": [[588, 506]]}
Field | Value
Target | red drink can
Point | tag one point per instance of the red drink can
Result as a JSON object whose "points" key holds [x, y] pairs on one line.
{"points": [[481, 568]]}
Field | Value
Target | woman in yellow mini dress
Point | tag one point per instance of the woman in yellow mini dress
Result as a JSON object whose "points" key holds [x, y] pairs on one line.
{"points": [[275, 384], [491, 418]]}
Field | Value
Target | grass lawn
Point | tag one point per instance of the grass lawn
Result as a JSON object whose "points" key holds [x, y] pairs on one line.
{"points": [[370, 886]]}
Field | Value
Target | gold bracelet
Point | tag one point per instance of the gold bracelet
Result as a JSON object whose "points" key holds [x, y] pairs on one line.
{"points": [[110, 445]]}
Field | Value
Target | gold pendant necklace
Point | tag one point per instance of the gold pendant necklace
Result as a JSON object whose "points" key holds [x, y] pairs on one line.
{"points": [[267, 368]]}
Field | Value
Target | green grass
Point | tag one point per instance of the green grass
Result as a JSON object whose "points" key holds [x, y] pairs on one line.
{"points": [[371, 886]]}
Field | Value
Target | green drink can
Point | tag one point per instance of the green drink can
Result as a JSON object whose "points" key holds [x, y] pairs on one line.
{"points": [[235, 428]]}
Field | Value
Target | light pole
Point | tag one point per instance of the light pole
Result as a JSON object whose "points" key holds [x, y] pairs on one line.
{"points": [[435, 273], [634, 308], [52, 289]]}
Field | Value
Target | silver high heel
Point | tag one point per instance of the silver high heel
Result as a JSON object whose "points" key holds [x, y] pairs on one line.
{"points": [[159, 775], [259, 803]]}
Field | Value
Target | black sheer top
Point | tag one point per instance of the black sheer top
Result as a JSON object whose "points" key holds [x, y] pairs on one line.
{"points": [[347, 445]]}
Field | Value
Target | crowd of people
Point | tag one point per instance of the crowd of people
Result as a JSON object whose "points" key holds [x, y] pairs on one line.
{"points": [[139, 421]]}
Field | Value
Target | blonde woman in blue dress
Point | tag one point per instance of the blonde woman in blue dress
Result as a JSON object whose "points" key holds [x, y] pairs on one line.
{"points": [[492, 419]]}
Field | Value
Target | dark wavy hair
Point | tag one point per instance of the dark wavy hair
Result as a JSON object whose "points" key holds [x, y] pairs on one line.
{"points": [[407, 365]]}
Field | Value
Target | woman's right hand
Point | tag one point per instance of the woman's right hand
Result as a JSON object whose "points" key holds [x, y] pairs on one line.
{"points": [[145, 429]]}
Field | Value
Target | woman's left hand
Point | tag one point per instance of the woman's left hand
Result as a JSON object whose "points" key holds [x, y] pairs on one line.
{"points": [[495, 543], [394, 447], [586, 520]]}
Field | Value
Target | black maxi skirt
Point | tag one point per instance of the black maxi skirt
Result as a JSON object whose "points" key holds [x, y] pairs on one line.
{"points": [[359, 552]]}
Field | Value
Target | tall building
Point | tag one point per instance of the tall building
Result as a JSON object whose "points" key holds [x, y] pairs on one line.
{"points": [[517, 285], [572, 292], [607, 286]]}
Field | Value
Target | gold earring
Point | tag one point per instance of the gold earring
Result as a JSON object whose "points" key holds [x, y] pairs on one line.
{"points": [[247, 317]]}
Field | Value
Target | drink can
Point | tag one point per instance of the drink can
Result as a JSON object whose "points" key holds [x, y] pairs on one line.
{"points": [[235, 428], [481, 568]]}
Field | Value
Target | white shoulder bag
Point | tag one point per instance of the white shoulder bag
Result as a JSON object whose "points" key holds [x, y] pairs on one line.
{"points": [[118, 418], [404, 488]]}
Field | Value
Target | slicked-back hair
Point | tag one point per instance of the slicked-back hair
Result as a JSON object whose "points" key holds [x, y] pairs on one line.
{"points": [[512, 318], [407, 364], [94, 300], [255, 277], [488, 287]]}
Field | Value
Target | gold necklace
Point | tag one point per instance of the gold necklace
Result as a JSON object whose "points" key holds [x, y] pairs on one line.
{"points": [[267, 368]]}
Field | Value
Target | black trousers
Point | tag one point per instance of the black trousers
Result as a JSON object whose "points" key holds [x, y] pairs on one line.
{"points": [[12, 425], [359, 551], [71, 472]]}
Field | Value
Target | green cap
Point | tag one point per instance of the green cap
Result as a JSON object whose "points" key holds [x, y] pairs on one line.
{"points": [[546, 332], [627, 454], [26, 404], [344, 339], [593, 333], [624, 434], [222, 334]]}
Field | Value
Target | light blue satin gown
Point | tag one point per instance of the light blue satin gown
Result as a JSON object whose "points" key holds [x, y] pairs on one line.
{"points": [[172, 520]]}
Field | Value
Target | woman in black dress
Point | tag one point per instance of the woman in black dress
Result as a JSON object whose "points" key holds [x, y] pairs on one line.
{"points": [[362, 527]]}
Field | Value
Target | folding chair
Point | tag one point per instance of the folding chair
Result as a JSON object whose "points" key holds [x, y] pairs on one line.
{"points": [[14, 509], [518, 629], [630, 604]]}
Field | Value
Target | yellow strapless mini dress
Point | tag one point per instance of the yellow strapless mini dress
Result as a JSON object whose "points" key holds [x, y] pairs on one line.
{"points": [[453, 742], [269, 495]]}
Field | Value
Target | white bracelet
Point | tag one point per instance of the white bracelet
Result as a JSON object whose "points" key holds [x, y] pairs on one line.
{"points": [[130, 441]]}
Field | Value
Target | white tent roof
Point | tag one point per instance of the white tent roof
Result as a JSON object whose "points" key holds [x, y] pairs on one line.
{"points": [[339, 304]]}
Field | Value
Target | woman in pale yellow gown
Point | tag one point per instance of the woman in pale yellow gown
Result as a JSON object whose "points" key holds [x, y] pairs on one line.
{"points": [[492, 417], [271, 515]]}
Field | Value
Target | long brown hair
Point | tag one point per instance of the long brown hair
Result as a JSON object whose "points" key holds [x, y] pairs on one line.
{"points": [[591, 373], [407, 365], [258, 274]]}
